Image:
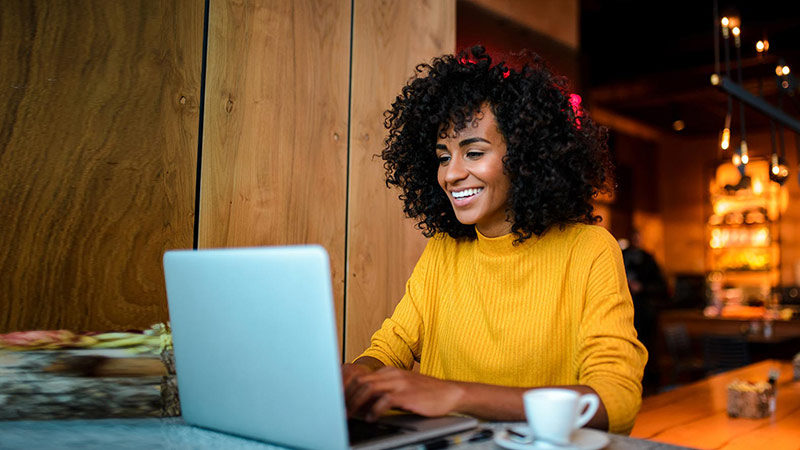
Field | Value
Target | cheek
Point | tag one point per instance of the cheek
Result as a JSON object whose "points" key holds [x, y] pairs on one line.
{"points": [[501, 184], [494, 175]]}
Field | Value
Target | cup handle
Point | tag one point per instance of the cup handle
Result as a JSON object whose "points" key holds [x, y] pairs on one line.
{"points": [[591, 402]]}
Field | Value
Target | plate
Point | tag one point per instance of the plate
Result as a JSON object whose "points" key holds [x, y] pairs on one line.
{"points": [[582, 439]]}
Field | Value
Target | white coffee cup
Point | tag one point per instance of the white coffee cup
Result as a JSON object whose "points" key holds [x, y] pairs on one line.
{"points": [[554, 413]]}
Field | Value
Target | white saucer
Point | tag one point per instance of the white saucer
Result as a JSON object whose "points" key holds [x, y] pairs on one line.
{"points": [[582, 439]]}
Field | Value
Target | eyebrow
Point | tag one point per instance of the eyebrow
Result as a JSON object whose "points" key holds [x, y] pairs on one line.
{"points": [[465, 142]]}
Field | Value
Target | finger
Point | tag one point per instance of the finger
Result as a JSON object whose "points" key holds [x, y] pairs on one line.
{"points": [[383, 404], [352, 397], [354, 385], [363, 394], [351, 386], [364, 398]]}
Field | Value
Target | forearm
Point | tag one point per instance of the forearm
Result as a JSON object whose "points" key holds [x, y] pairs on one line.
{"points": [[372, 363], [502, 403]]}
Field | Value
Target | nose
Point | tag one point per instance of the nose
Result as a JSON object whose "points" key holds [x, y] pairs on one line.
{"points": [[455, 171]]}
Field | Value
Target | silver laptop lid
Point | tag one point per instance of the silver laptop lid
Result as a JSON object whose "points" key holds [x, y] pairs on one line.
{"points": [[256, 349]]}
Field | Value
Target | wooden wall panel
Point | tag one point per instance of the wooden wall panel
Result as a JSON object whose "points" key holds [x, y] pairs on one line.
{"points": [[555, 18], [98, 140], [274, 167], [389, 39]]}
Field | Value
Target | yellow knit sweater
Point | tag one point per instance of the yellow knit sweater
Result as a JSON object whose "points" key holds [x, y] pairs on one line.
{"points": [[555, 310]]}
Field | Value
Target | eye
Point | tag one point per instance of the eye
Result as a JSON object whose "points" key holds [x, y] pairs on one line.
{"points": [[474, 154], [443, 159]]}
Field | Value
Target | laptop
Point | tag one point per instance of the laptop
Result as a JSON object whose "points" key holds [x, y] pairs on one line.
{"points": [[256, 351]]}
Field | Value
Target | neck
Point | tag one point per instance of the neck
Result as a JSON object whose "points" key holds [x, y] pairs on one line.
{"points": [[500, 229]]}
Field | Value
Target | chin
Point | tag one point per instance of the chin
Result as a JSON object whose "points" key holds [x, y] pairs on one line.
{"points": [[466, 220]]}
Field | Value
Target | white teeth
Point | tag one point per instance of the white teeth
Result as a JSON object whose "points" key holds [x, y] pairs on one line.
{"points": [[466, 193]]}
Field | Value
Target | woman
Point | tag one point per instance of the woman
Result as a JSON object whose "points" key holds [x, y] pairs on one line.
{"points": [[516, 288]]}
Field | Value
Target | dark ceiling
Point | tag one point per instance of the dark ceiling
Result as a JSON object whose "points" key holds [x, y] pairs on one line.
{"points": [[652, 61]]}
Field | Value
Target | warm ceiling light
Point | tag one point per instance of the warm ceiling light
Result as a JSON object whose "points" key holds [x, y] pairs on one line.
{"points": [[736, 31], [785, 70], [760, 46], [779, 70], [766, 45], [725, 141], [779, 172], [678, 125], [725, 21]]}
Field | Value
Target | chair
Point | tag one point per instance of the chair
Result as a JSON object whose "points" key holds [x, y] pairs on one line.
{"points": [[723, 353]]}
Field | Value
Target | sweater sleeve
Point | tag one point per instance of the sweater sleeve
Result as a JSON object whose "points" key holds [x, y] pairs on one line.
{"points": [[611, 359], [399, 340]]}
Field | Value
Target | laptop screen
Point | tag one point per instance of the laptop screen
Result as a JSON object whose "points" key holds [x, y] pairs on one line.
{"points": [[255, 341]]}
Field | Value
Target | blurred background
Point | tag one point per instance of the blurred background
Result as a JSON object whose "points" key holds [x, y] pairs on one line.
{"points": [[709, 243]]}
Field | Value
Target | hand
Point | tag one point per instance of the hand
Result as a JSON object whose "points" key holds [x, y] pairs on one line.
{"points": [[387, 388], [351, 375], [352, 371]]}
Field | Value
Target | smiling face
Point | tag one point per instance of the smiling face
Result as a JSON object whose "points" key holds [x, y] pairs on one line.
{"points": [[472, 175]]}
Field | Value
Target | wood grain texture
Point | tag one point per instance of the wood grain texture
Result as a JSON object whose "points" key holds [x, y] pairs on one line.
{"points": [[555, 18], [274, 167], [389, 39], [696, 415], [98, 140]]}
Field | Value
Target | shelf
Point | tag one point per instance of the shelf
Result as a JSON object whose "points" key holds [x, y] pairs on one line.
{"points": [[751, 278], [743, 247], [743, 225], [754, 271]]}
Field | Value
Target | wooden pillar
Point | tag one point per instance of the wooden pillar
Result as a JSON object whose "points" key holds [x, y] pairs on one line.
{"points": [[274, 161], [389, 39], [99, 108]]}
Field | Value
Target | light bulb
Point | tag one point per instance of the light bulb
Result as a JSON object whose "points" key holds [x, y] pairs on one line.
{"points": [[736, 31], [778, 171], [736, 160], [725, 142], [725, 21], [743, 151], [760, 46], [785, 70], [779, 70]]}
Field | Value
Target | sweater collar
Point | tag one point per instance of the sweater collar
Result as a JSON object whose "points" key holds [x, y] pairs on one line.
{"points": [[499, 246]]}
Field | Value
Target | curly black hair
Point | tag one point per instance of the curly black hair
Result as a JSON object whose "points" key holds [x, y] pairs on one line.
{"points": [[557, 159]]}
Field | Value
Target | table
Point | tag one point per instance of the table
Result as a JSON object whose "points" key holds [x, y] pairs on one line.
{"points": [[698, 325], [173, 433], [696, 415]]}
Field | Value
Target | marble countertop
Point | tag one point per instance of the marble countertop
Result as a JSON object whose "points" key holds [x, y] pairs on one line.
{"points": [[173, 433]]}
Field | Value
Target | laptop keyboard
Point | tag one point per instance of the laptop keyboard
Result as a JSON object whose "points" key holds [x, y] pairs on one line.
{"points": [[361, 431]]}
